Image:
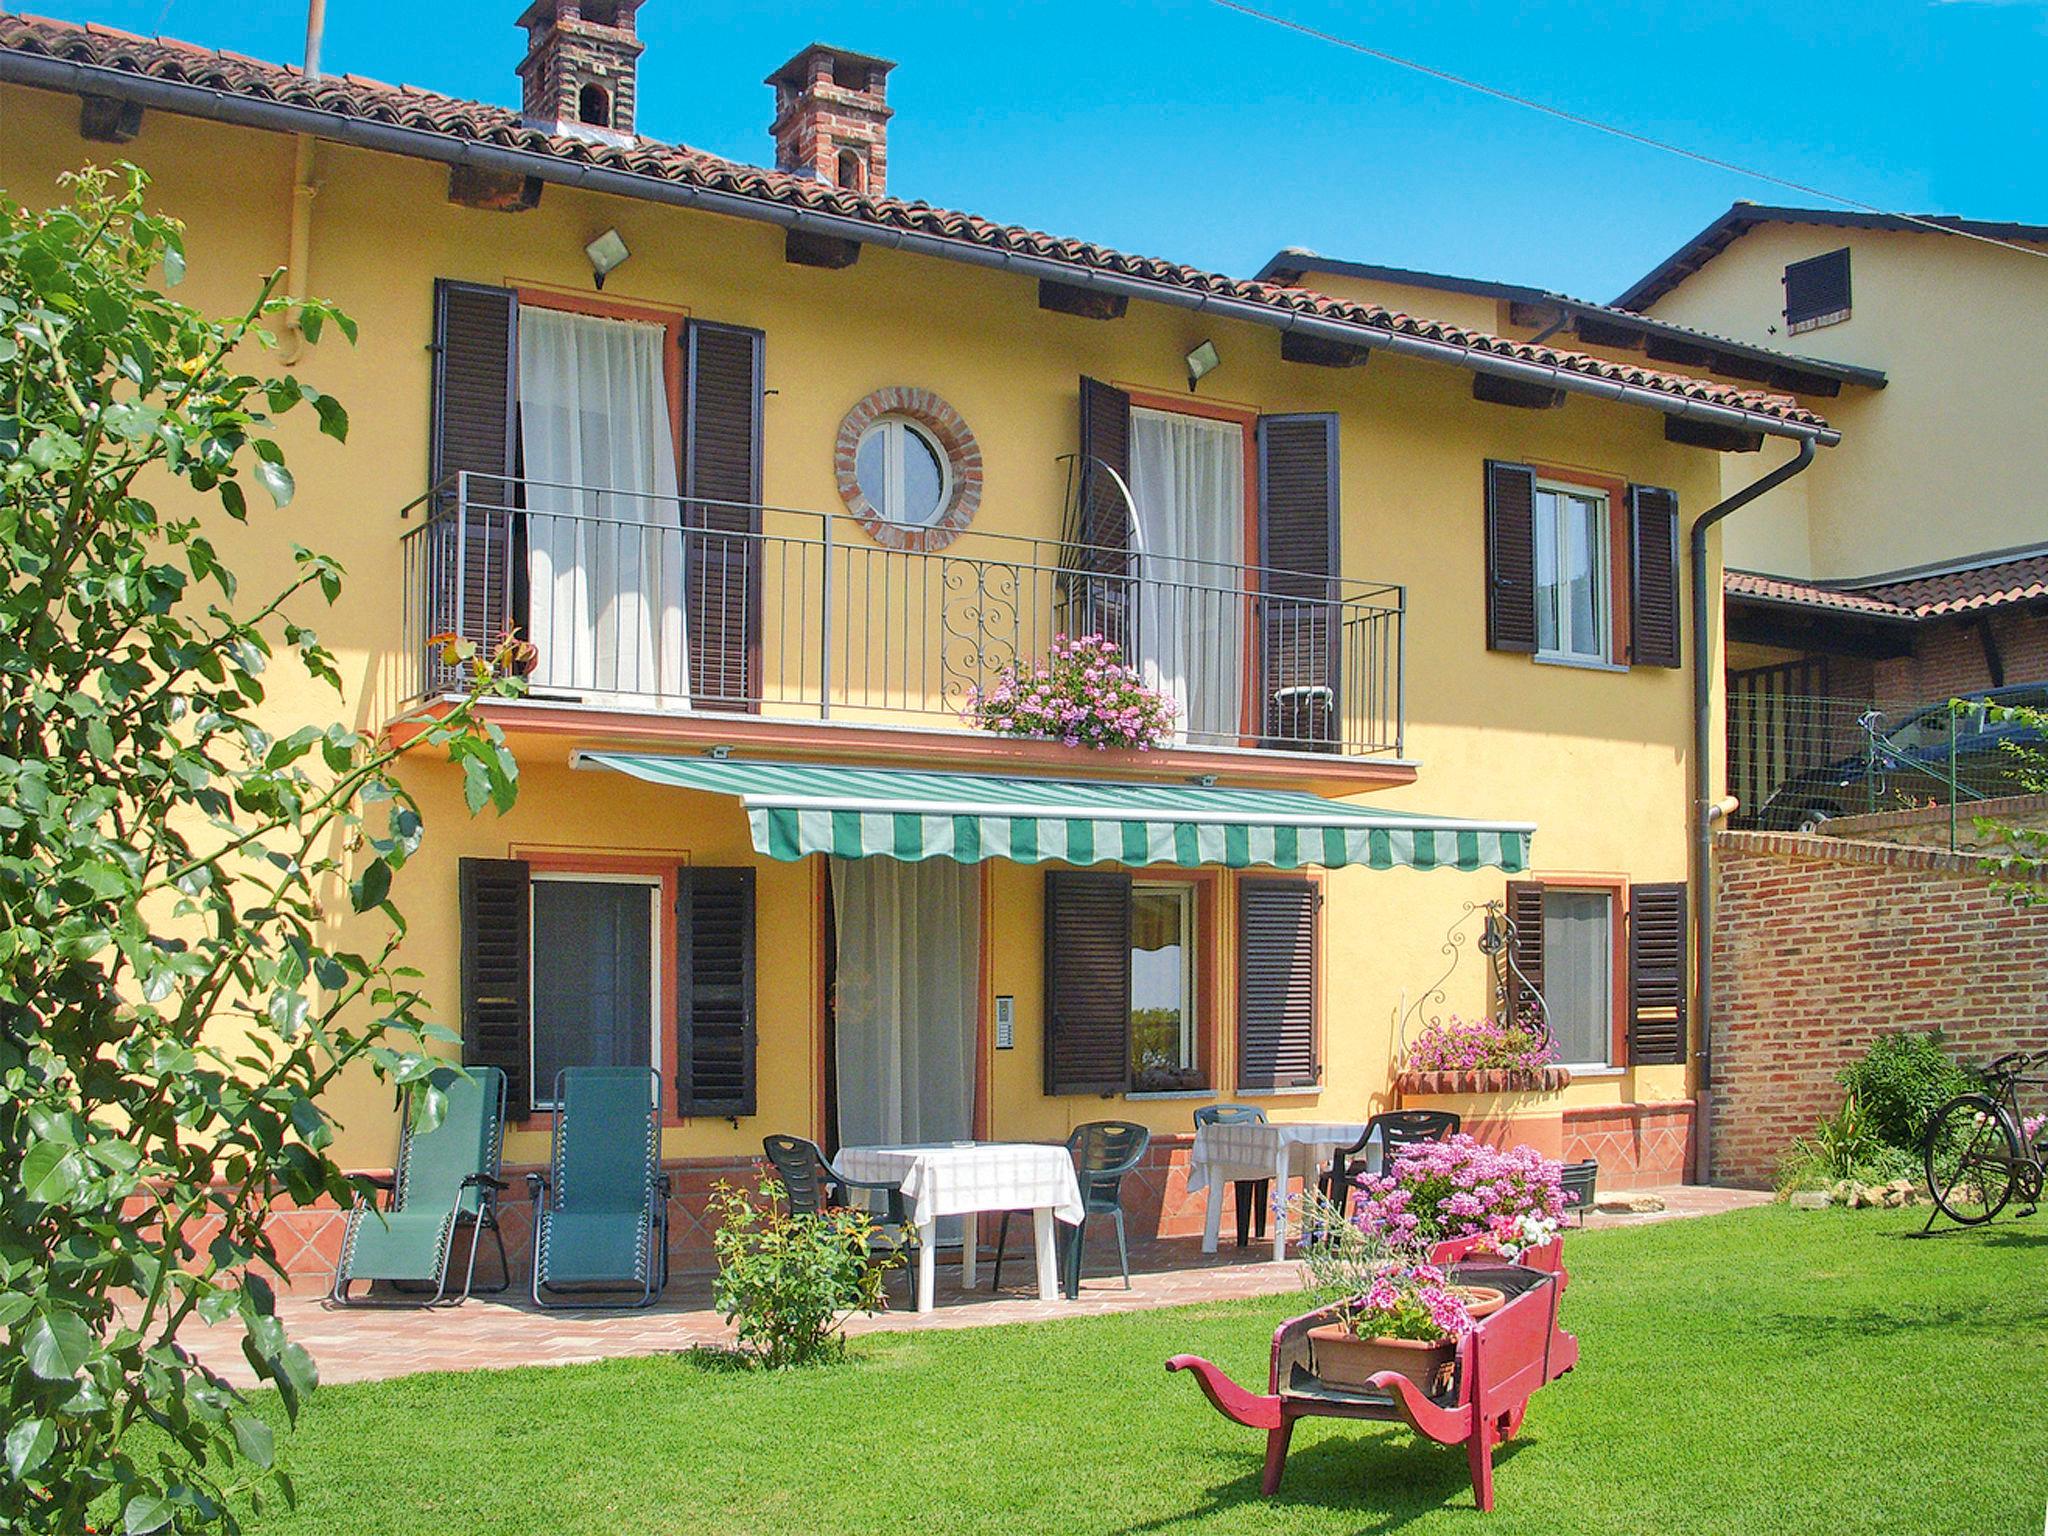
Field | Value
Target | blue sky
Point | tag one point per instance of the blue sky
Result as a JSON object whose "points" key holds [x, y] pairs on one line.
{"points": [[1183, 130]]}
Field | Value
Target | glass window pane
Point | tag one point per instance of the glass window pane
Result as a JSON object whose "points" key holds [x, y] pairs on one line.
{"points": [[1546, 571], [871, 469], [1581, 571], [923, 479], [1578, 964], [593, 980], [1162, 987]]}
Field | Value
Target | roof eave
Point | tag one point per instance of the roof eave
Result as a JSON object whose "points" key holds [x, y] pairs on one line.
{"points": [[50, 73]]}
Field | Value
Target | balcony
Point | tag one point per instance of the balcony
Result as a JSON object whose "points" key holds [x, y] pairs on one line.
{"points": [[684, 606]]}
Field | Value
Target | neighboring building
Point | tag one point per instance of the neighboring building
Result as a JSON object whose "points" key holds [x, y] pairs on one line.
{"points": [[775, 468], [1913, 564]]}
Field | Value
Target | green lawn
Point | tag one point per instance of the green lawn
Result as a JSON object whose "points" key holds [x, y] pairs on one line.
{"points": [[1764, 1371]]}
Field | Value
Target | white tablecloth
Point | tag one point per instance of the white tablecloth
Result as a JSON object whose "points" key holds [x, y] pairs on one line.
{"points": [[1251, 1149], [956, 1179], [963, 1177], [1277, 1150]]}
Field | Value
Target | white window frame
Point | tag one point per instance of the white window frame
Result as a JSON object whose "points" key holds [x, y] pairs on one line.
{"points": [[1551, 513], [653, 885], [1605, 1062], [1185, 894], [890, 501]]}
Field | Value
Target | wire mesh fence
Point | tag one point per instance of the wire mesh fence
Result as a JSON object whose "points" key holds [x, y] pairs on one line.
{"points": [[1796, 762]]}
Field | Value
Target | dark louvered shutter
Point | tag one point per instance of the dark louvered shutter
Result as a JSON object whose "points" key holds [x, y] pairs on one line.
{"points": [[714, 991], [722, 481], [1510, 557], [1096, 595], [1525, 948], [470, 576], [1087, 981], [1277, 984], [1817, 288], [1656, 973], [1653, 624], [497, 976], [1298, 546]]}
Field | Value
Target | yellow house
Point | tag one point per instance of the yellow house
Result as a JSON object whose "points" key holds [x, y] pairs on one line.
{"points": [[781, 473]]}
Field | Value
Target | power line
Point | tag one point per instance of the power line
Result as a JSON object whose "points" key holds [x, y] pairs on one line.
{"points": [[1629, 134]]}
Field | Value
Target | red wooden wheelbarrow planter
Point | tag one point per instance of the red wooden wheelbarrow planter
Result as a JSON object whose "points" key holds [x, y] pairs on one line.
{"points": [[1514, 1351]]}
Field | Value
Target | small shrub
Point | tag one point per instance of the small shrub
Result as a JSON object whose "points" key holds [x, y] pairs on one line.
{"points": [[1844, 1146], [1899, 1084], [787, 1283]]}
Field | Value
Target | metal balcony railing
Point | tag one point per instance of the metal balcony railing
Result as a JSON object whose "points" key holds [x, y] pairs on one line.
{"points": [[685, 605]]}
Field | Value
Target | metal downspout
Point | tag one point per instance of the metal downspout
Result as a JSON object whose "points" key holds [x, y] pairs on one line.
{"points": [[1705, 810]]}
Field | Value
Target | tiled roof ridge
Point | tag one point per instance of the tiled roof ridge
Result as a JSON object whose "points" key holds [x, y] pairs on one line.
{"points": [[110, 48], [2020, 579]]}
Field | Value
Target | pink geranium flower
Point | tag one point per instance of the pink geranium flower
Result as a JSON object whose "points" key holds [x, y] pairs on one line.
{"points": [[1084, 695]]}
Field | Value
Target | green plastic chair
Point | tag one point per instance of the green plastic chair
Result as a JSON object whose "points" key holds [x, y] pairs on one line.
{"points": [[445, 1178], [600, 1214]]}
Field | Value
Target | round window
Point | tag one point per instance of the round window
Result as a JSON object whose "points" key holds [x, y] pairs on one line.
{"points": [[901, 472], [908, 468]]}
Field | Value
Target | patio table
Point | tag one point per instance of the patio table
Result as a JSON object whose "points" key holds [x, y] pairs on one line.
{"points": [[1274, 1149], [963, 1178]]}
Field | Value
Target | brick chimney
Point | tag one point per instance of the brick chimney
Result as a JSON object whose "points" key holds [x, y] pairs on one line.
{"points": [[579, 69], [832, 118]]}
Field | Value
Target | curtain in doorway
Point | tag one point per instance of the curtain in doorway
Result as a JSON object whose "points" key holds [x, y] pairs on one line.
{"points": [[1187, 479], [604, 541], [909, 974]]}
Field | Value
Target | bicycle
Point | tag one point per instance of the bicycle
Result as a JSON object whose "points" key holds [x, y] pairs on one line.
{"points": [[1978, 1153]]}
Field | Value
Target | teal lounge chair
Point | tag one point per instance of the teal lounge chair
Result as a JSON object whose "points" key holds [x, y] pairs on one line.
{"points": [[446, 1178], [600, 1213]]}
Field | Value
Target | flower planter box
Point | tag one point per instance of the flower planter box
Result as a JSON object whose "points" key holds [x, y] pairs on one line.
{"points": [[1342, 1359], [1485, 1080]]}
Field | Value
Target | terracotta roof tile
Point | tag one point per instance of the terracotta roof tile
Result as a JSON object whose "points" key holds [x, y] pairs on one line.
{"points": [[1921, 597], [2009, 581], [407, 107], [1777, 589]]}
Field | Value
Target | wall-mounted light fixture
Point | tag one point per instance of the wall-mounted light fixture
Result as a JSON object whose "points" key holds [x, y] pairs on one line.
{"points": [[607, 254], [1202, 362]]}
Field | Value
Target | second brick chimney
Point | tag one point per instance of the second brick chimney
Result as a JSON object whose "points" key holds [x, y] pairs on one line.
{"points": [[832, 118]]}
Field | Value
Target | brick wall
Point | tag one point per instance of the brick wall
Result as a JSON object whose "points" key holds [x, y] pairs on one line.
{"points": [[1948, 659], [1821, 944], [1928, 826]]}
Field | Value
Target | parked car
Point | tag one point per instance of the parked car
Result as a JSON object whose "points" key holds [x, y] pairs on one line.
{"points": [[1907, 763]]}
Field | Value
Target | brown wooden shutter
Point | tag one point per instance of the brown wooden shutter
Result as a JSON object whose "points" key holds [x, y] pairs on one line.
{"points": [[1510, 557], [1653, 609], [715, 1030], [1097, 598], [1277, 986], [1525, 911], [1657, 951], [1298, 546], [475, 428], [722, 556], [497, 976], [1087, 981]]}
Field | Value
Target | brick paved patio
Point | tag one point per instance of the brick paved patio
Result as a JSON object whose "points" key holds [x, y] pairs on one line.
{"points": [[502, 1331]]}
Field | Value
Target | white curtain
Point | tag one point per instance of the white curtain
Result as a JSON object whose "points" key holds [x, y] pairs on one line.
{"points": [[908, 970], [1187, 479], [603, 527]]}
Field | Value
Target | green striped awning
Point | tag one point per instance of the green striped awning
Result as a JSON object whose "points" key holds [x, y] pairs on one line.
{"points": [[795, 809]]}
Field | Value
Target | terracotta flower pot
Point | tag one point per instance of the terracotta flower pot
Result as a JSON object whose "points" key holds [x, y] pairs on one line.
{"points": [[1343, 1359], [1480, 1300]]}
